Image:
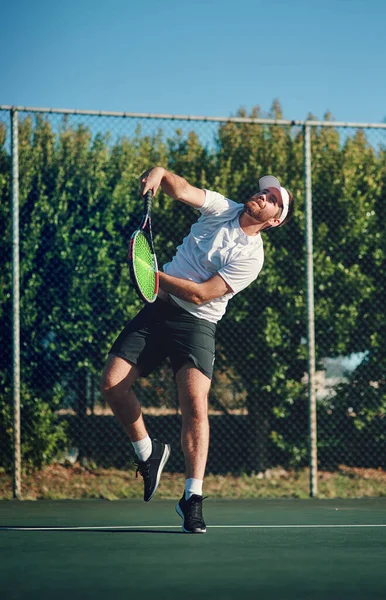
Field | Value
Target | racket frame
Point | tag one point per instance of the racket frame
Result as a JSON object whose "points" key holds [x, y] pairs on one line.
{"points": [[146, 230]]}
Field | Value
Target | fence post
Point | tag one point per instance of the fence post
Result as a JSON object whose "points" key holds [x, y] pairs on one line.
{"points": [[15, 306], [312, 431]]}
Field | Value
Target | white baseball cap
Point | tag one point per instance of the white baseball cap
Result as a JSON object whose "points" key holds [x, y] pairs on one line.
{"points": [[271, 181]]}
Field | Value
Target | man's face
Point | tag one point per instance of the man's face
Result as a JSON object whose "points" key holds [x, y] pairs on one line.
{"points": [[265, 205]]}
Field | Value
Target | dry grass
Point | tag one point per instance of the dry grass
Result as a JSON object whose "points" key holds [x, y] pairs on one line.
{"points": [[60, 482]]}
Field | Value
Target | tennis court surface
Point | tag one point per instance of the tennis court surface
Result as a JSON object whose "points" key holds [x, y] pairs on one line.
{"points": [[253, 549]]}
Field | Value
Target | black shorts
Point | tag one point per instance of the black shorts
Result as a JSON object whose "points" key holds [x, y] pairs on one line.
{"points": [[163, 330]]}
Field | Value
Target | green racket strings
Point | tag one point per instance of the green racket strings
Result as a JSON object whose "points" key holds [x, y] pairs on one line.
{"points": [[144, 266]]}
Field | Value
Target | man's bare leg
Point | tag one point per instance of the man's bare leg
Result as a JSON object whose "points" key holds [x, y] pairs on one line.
{"points": [[193, 389], [117, 380], [116, 385]]}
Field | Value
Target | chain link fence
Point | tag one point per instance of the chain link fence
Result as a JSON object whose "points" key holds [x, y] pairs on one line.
{"points": [[79, 200], [349, 201]]}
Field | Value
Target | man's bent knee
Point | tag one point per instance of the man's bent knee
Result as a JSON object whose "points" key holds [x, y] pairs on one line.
{"points": [[117, 378]]}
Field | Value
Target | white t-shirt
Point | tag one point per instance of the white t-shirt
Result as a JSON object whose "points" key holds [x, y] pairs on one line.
{"points": [[217, 244]]}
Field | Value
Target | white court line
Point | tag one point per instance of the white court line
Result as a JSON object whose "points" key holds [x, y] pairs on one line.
{"points": [[131, 527]]}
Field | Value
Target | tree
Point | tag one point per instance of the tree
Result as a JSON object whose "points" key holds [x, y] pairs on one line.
{"points": [[80, 201]]}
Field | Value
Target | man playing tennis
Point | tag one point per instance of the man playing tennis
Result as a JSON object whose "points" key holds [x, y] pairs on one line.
{"points": [[221, 256]]}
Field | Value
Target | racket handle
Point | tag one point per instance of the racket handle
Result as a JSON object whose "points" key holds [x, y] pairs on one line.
{"points": [[148, 201]]}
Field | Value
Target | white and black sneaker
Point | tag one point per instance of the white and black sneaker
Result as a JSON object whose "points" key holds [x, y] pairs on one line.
{"points": [[190, 512], [152, 468]]}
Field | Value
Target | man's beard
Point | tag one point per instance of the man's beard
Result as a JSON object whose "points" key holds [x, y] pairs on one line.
{"points": [[252, 211]]}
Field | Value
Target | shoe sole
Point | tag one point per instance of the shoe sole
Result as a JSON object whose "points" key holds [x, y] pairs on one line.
{"points": [[164, 460], [179, 512]]}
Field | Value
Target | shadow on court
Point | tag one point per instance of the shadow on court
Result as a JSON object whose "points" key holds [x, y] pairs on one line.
{"points": [[86, 530]]}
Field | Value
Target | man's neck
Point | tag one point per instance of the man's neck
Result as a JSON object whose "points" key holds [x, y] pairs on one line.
{"points": [[249, 225]]}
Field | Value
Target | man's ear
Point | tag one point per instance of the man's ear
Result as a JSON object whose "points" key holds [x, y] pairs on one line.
{"points": [[272, 223]]}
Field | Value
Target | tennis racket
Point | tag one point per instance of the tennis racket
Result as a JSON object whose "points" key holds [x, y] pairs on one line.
{"points": [[142, 258]]}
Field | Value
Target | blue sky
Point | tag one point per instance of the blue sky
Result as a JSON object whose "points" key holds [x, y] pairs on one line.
{"points": [[197, 57]]}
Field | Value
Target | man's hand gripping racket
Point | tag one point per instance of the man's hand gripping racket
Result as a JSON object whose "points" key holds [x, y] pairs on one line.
{"points": [[142, 258]]}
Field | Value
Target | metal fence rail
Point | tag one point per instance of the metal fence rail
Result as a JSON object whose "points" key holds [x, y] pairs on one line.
{"points": [[69, 196]]}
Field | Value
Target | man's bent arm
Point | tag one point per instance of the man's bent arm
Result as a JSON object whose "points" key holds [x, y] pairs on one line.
{"points": [[197, 293], [173, 185]]}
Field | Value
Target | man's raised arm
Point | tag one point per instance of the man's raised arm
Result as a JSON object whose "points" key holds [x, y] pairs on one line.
{"points": [[173, 185]]}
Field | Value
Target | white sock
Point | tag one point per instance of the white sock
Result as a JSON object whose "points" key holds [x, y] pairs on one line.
{"points": [[143, 448], [193, 486]]}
